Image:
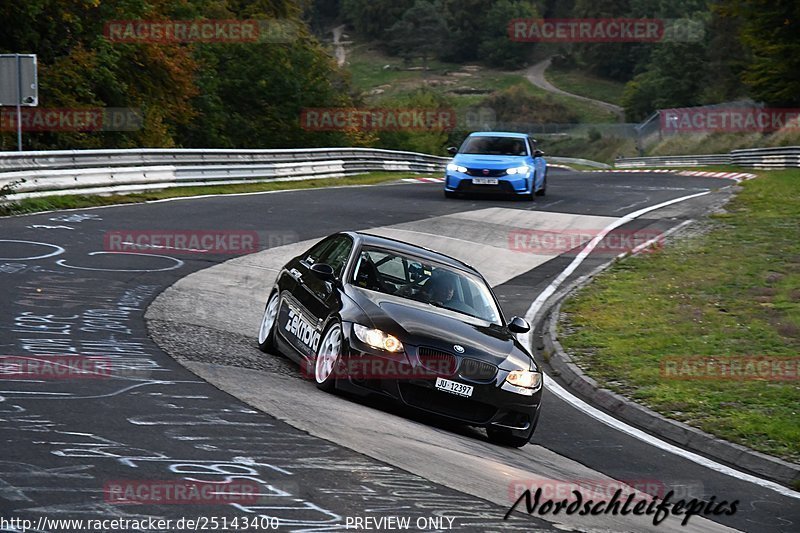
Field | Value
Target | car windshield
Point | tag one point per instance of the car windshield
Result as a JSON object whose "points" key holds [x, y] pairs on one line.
{"points": [[431, 283], [494, 146]]}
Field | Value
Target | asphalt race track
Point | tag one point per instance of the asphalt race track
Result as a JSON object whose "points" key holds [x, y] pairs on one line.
{"points": [[317, 461]]}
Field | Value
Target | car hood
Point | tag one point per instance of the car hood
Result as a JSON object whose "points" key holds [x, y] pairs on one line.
{"points": [[419, 324], [489, 161]]}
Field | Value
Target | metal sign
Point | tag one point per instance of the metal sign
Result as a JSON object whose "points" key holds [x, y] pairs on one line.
{"points": [[18, 87]]}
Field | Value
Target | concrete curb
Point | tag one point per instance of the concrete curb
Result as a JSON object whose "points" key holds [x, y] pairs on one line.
{"points": [[690, 438]]}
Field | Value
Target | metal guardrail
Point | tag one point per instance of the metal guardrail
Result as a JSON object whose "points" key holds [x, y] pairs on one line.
{"points": [[62, 159], [107, 171], [47, 173], [674, 161], [777, 157], [576, 161]]}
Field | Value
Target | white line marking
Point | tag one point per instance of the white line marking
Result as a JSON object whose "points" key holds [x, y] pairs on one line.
{"points": [[145, 246], [595, 413], [654, 240], [551, 289], [178, 263], [59, 250]]}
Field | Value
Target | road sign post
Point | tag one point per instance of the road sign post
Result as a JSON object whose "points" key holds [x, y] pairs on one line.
{"points": [[18, 85]]}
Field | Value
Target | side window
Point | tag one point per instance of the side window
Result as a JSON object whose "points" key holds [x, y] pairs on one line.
{"points": [[317, 251], [394, 267], [337, 253]]}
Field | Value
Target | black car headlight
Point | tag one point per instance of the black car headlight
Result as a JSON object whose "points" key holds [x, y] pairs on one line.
{"points": [[524, 382], [377, 338]]}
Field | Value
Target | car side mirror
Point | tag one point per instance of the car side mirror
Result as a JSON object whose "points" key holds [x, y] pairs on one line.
{"points": [[452, 150], [538, 153], [518, 325], [323, 271]]}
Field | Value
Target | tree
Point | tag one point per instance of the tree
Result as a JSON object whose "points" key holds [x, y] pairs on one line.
{"points": [[420, 32], [769, 29], [430, 141], [496, 48], [190, 94], [675, 77], [371, 18]]}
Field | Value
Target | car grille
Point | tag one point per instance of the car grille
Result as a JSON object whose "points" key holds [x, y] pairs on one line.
{"points": [[503, 186], [437, 361], [476, 370], [447, 404], [493, 173]]}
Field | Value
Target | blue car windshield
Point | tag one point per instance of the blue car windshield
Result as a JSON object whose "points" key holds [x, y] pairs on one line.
{"points": [[494, 146]]}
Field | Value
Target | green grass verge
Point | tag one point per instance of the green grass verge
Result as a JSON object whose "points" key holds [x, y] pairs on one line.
{"points": [[604, 150], [366, 65], [50, 203], [586, 112], [731, 291], [583, 84]]}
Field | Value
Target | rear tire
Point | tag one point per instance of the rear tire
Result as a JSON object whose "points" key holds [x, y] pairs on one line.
{"points": [[266, 332], [449, 194]]}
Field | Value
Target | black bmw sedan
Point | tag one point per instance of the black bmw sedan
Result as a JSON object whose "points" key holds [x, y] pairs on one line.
{"points": [[372, 315]]}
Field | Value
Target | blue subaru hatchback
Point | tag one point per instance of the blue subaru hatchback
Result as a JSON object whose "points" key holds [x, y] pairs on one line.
{"points": [[496, 163]]}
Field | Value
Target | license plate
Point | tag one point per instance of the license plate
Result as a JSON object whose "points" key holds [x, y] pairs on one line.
{"points": [[454, 387], [484, 181]]}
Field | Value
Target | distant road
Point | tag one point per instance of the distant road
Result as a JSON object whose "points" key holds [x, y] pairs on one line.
{"points": [[535, 75]]}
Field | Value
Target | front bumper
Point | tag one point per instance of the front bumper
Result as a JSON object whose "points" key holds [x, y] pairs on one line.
{"points": [[457, 182], [490, 405]]}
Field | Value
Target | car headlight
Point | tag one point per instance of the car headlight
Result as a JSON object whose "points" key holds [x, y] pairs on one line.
{"points": [[525, 379], [377, 338], [518, 170], [456, 168]]}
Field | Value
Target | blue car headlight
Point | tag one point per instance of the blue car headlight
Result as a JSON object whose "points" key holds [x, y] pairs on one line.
{"points": [[524, 169], [452, 167]]}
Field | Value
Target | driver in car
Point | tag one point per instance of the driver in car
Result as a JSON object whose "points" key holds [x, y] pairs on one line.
{"points": [[440, 289]]}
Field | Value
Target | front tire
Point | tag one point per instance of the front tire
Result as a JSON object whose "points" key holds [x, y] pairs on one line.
{"points": [[449, 194], [529, 196], [543, 190], [329, 354], [266, 332]]}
